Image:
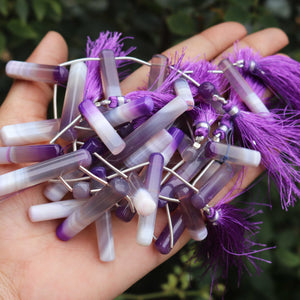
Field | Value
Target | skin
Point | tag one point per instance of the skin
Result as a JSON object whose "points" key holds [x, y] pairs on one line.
{"points": [[34, 264]]}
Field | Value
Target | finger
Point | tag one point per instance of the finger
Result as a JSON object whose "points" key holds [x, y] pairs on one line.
{"points": [[266, 42], [28, 101], [207, 44]]}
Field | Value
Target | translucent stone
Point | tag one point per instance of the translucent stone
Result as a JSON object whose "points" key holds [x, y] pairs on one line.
{"points": [[163, 242], [53, 210], [240, 85], [92, 209], [233, 154], [102, 127], [146, 224], [73, 96], [40, 172], [29, 133], [31, 153], [36, 72], [158, 71]]}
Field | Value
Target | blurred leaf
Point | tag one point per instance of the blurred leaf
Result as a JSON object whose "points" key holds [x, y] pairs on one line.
{"points": [[181, 23], [39, 8], [22, 10], [56, 7], [2, 42], [20, 29], [170, 4], [4, 7], [238, 14], [287, 258], [264, 284]]}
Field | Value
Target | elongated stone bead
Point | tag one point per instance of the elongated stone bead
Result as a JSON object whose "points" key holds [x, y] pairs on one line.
{"points": [[240, 85], [30, 153], [146, 224], [36, 72], [90, 211], [29, 132]]}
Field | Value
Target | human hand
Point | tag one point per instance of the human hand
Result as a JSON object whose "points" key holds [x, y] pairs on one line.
{"points": [[34, 264]]}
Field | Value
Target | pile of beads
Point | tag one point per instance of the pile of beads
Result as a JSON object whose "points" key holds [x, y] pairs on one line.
{"points": [[174, 144]]}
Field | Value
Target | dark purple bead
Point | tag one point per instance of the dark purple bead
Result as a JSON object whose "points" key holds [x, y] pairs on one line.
{"points": [[162, 244]]}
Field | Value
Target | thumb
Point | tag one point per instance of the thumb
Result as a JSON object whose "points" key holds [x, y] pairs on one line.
{"points": [[27, 100]]}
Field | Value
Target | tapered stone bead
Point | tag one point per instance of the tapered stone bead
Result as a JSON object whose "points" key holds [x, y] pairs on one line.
{"points": [[105, 239], [95, 207], [30, 153], [157, 143], [102, 127], [214, 185], [73, 96], [150, 127], [207, 91], [29, 133], [129, 111], [124, 211], [242, 88], [163, 243], [146, 224], [36, 72], [207, 172], [53, 210], [42, 171], [233, 154]]}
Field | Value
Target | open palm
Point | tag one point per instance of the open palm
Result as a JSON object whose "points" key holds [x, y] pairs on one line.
{"points": [[34, 264]]}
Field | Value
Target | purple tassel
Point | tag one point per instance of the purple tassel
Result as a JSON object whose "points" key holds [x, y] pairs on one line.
{"points": [[229, 243], [275, 135], [106, 40], [203, 116], [281, 74]]}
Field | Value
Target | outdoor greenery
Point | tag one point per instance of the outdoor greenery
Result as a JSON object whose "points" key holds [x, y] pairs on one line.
{"points": [[156, 25]]}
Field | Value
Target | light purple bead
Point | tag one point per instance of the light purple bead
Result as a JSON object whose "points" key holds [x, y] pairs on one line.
{"points": [[81, 190], [158, 71], [149, 128], [242, 88], [42, 171], [102, 127], [73, 96], [36, 72], [109, 74], [90, 211], [146, 224], [186, 149], [213, 186]]}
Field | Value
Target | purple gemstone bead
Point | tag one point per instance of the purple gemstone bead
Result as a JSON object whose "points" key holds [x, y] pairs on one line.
{"points": [[163, 243], [213, 186]]}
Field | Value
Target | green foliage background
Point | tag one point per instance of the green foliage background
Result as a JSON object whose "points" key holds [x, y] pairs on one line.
{"points": [[156, 25]]}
